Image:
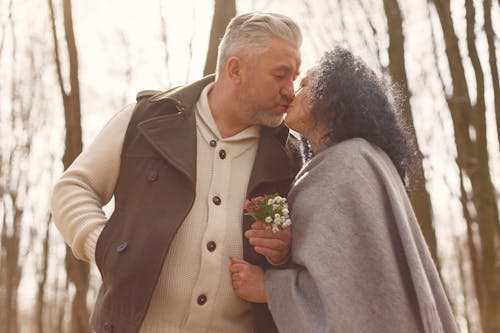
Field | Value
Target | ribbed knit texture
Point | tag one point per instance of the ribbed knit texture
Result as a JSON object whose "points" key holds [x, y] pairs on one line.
{"points": [[190, 269], [87, 185]]}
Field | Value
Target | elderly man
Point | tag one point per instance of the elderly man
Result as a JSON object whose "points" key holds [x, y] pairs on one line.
{"points": [[180, 165]]}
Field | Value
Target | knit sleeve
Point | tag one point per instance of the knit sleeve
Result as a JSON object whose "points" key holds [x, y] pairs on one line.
{"points": [[87, 185]]}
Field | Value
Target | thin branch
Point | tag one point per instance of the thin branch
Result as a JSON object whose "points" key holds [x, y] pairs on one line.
{"points": [[190, 48], [2, 31], [56, 49], [164, 38], [435, 52], [375, 33]]}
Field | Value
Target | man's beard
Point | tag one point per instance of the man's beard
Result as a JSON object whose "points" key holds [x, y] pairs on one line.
{"points": [[267, 116]]}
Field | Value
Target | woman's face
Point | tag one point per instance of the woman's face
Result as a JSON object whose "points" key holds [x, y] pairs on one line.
{"points": [[298, 117]]}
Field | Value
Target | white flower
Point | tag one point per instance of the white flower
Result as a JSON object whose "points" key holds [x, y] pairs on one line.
{"points": [[285, 212], [268, 219], [287, 223], [276, 216], [275, 228], [270, 201]]}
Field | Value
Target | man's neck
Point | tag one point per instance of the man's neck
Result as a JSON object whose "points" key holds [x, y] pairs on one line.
{"points": [[224, 109]]}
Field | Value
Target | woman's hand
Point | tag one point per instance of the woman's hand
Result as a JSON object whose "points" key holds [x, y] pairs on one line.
{"points": [[275, 246], [248, 281]]}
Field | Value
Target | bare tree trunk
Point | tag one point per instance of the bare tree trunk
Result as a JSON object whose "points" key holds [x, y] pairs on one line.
{"points": [[224, 11], [471, 245], [42, 280], [11, 270], [472, 157], [490, 37], [77, 271], [463, 281], [3, 283], [486, 199], [420, 198]]}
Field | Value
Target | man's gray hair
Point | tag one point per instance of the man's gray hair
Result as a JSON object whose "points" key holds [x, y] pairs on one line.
{"points": [[250, 34]]}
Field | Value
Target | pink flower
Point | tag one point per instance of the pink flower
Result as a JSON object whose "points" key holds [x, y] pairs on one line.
{"points": [[257, 199], [248, 206], [270, 209]]}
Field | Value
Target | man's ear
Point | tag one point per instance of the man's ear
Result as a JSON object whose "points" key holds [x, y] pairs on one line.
{"points": [[234, 69]]}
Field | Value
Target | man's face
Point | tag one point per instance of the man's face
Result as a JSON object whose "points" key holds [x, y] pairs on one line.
{"points": [[267, 83]]}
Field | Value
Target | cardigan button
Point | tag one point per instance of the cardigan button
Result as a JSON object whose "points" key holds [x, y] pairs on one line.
{"points": [[222, 154], [213, 143], [120, 248], [108, 327], [153, 175], [202, 299], [211, 246], [216, 200]]}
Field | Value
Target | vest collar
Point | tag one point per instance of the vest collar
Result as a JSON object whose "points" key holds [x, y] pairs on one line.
{"points": [[272, 162], [173, 132]]}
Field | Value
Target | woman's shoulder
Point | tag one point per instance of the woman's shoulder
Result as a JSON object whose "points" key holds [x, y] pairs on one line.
{"points": [[351, 156], [351, 151]]}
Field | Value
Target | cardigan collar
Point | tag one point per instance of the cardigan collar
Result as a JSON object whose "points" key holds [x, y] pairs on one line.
{"points": [[173, 134]]}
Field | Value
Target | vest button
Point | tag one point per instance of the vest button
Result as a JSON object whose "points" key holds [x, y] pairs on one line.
{"points": [[121, 247], [213, 143], [153, 175], [216, 200], [222, 154], [202, 299], [211, 246]]}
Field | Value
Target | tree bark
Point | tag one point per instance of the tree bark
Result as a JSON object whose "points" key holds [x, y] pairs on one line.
{"points": [[472, 156], [77, 271], [463, 282], [11, 270], [490, 37], [224, 11], [471, 246], [420, 198], [42, 281], [485, 199]]}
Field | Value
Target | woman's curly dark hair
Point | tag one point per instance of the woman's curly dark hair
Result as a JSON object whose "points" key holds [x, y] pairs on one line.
{"points": [[354, 102]]}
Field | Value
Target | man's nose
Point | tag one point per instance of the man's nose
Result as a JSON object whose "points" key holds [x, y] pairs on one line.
{"points": [[288, 91]]}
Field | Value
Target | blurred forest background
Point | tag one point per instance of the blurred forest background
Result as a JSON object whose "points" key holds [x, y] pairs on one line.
{"points": [[66, 68]]}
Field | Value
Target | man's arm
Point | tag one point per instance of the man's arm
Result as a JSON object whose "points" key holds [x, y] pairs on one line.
{"points": [[87, 185]]}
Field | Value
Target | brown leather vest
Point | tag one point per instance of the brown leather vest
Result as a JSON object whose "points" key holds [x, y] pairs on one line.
{"points": [[155, 192]]}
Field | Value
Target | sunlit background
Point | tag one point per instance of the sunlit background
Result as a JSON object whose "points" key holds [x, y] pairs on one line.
{"points": [[125, 46]]}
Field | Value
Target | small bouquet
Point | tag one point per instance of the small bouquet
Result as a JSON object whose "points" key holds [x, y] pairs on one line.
{"points": [[270, 209]]}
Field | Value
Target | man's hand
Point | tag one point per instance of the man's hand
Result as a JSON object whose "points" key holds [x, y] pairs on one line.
{"points": [[248, 281], [274, 246]]}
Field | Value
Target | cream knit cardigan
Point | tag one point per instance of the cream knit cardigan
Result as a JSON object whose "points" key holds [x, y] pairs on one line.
{"points": [[190, 269]]}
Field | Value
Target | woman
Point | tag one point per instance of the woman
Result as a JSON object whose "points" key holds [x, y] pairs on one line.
{"points": [[362, 264]]}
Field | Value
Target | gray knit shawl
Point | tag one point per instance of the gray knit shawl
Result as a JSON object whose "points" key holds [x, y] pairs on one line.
{"points": [[363, 264]]}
